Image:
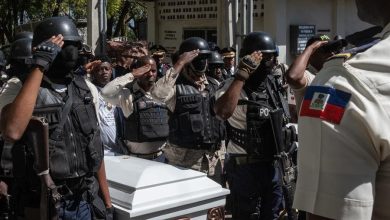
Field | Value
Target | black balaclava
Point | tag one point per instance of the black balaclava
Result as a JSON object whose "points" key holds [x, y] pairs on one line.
{"points": [[199, 65], [65, 61], [256, 81]]}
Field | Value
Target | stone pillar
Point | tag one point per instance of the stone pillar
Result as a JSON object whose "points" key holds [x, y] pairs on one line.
{"points": [[93, 25], [275, 23], [152, 32], [338, 17], [225, 23]]}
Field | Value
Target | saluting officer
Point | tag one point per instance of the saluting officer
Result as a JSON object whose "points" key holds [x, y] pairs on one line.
{"points": [[145, 126], [246, 102], [194, 131], [68, 103], [344, 149]]}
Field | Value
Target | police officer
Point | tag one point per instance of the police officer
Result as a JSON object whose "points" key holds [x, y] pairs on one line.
{"points": [[14, 176], [194, 131], [344, 144], [215, 67], [145, 126], [229, 58], [69, 105], [246, 102]]}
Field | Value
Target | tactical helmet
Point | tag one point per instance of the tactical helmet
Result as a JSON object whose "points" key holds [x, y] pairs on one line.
{"points": [[21, 49], [257, 41], [195, 43], [2, 59], [199, 64], [24, 34], [54, 26], [215, 59]]}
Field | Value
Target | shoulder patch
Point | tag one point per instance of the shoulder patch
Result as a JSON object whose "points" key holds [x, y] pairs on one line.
{"points": [[325, 103]]}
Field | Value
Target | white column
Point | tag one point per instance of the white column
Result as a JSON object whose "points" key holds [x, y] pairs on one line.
{"points": [[275, 23], [152, 32], [93, 24], [339, 9], [225, 23]]}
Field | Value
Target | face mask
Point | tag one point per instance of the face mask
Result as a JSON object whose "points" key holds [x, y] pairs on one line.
{"points": [[199, 66], [65, 61]]}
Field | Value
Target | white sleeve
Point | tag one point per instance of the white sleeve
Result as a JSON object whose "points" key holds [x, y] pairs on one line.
{"points": [[9, 91], [116, 93]]}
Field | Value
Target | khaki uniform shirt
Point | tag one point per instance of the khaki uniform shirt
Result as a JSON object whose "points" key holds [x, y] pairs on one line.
{"points": [[344, 150], [238, 119], [118, 94], [201, 160]]}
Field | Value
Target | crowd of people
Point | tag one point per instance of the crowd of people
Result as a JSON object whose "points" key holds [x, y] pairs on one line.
{"points": [[202, 110]]}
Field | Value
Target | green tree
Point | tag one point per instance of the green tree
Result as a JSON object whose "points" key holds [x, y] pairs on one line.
{"points": [[17, 12]]}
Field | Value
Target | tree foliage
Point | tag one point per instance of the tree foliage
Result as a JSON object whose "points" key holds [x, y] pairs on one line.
{"points": [[17, 12]]}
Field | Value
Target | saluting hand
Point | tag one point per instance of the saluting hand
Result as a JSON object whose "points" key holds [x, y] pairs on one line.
{"points": [[248, 64], [138, 72], [91, 65], [45, 53], [185, 58]]}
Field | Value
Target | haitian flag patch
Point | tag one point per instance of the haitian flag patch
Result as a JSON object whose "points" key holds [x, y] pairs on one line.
{"points": [[325, 103]]}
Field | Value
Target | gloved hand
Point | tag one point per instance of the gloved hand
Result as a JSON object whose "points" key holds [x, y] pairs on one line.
{"points": [[110, 213], [46, 52], [248, 64]]}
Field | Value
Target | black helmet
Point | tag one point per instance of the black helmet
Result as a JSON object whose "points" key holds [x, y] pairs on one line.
{"points": [[2, 59], [199, 64], [54, 26], [24, 34], [21, 49], [215, 59], [255, 41], [195, 43]]}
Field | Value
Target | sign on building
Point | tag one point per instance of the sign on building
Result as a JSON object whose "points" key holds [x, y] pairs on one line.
{"points": [[299, 35]]}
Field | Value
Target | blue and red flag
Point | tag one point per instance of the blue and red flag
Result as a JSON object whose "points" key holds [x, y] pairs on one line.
{"points": [[325, 103]]}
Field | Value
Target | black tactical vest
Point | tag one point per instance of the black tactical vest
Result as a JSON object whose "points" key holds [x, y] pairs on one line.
{"points": [[193, 124], [258, 139], [75, 149], [149, 120]]}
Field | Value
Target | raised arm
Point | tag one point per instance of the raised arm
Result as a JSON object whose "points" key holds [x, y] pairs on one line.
{"points": [[295, 75], [227, 103], [16, 115]]}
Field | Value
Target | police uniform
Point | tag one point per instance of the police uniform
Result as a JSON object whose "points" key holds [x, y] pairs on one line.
{"points": [[171, 90], [146, 120], [344, 154], [251, 178]]}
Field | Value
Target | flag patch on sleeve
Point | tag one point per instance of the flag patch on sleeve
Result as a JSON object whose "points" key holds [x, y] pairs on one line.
{"points": [[325, 103]]}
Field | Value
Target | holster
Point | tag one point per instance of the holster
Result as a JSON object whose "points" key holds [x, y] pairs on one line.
{"points": [[37, 136]]}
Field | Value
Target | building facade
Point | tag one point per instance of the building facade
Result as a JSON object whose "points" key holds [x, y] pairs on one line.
{"points": [[225, 22]]}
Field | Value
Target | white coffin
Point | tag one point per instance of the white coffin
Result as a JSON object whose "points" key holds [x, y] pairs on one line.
{"points": [[143, 189]]}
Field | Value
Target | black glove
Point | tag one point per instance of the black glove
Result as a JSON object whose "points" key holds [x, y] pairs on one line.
{"points": [[45, 53], [247, 65], [110, 213]]}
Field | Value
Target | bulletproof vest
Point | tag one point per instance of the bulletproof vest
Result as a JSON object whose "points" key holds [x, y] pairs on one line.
{"points": [[193, 124], [149, 120], [75, 148], [258, 138]]}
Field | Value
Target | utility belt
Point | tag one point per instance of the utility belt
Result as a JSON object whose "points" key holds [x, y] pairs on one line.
{"points": [[244, 159], [73, 188], [150, 156]]}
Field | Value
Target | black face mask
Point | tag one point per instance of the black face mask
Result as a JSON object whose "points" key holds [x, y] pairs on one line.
{"points": [[199, 65], [65, 62], [257, 79]]}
